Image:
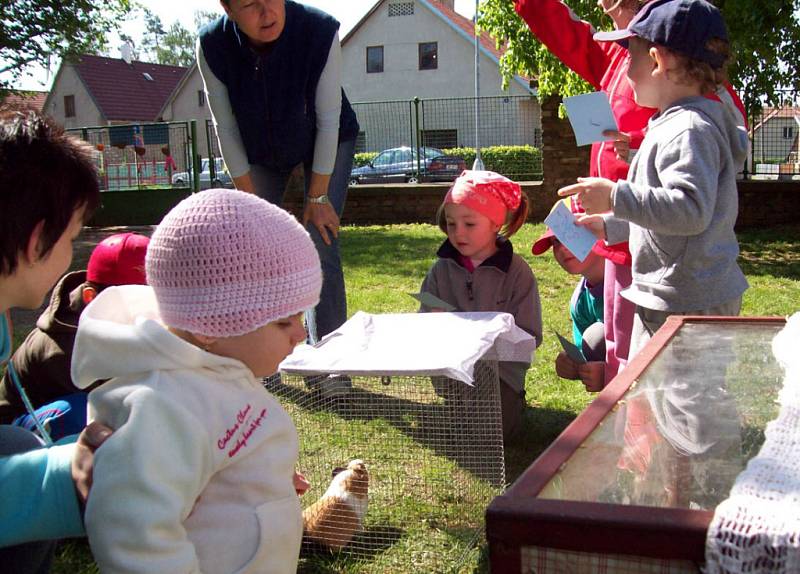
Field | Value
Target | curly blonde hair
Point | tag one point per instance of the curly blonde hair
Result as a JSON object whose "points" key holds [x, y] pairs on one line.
{"points": [[708, 77]]}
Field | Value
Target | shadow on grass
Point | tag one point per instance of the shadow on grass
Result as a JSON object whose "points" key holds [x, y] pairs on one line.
{"points": [[541, 426], [448, 430], [773, 251], [369, 542], [464, 431]]}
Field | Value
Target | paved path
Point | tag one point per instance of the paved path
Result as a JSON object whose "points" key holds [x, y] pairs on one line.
{"points": [[24, 320]]}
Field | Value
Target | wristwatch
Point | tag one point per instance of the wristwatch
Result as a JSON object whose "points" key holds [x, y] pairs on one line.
{"points": [[321, 199]]}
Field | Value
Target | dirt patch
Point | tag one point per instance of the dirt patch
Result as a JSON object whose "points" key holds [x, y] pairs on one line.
{"points": [[24, 319]]}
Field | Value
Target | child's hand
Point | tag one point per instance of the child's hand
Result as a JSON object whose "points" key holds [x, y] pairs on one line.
{"points": [[592, 375], [622, 143], [301, 484], [566, 368], [594, 223], [594, 193], [88, 441]]}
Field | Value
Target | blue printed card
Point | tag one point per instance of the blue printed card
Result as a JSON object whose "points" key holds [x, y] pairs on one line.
{"points": [[579, 240]]}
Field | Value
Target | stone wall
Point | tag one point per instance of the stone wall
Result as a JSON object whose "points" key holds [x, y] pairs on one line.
{"points": [[761, 203]]}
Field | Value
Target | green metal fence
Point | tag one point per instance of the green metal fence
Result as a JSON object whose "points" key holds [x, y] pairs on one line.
{"points": [[144, 156]]}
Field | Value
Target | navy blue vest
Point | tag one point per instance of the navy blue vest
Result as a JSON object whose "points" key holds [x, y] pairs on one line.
{"points": [[272, 95]]}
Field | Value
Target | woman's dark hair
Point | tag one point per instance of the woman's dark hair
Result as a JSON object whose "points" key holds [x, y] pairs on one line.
{"points": [[45, 176]]}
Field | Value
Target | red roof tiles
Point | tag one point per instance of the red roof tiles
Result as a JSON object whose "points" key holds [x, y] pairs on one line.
{"points": [[123, 92], [32, 99]]}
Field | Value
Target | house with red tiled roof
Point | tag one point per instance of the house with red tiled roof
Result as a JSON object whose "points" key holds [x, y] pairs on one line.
{"points": [[776, 135], [26, 98], [98, 91], [402, 49]]}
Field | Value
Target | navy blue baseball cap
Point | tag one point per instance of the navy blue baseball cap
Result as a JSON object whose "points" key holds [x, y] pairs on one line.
{"points": [[683, 26]]}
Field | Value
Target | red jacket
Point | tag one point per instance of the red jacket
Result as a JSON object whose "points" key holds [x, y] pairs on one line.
{"points": [[602, 64]]}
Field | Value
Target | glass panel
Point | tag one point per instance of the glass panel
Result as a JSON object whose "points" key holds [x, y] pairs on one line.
{"points": [[685, 430], [428, 56], [374, 59]]}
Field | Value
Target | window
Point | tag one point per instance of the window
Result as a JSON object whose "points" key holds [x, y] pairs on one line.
{"points": [[401, 9], [69, 106], [374, 59], [201, 98], [384, 158], [361, 142], [428, 56], [788, 132], [440, 138]]}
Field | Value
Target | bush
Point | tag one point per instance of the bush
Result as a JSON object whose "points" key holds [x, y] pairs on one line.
{"points": [[362, 159], [520, 162]]}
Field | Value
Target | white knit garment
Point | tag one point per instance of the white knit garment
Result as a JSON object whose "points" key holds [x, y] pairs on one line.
{"points": [[757, 529]]}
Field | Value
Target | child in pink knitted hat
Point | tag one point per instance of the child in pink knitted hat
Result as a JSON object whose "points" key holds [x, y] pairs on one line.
{"points": [[477, 269], [199, 473]]}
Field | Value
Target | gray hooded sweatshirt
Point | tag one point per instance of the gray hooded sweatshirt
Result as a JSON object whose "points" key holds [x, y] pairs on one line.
{"points": [[681, 201]]}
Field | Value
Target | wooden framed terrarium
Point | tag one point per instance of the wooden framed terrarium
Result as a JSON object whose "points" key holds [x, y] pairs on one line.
{"points": [[631, 485]]}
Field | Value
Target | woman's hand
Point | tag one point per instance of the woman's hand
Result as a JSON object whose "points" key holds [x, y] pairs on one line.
{"points": [[89, 441], [622, 143], [322, 215], [324, 218]]}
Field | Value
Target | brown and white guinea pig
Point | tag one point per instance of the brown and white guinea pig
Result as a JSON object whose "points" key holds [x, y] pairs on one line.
{"points": [[339, 513]]}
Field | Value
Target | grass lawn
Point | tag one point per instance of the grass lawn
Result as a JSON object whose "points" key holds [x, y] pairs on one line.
{"points": [[384, 263]]}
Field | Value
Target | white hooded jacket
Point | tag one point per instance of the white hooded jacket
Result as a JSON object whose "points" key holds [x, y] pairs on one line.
{"points": [[197, 476]]}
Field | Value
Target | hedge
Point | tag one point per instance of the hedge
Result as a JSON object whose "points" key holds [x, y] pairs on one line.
{"points": [[522, 162]]}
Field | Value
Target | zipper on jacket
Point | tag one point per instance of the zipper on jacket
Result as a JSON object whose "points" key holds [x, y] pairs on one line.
{"points": [[469, 288]]}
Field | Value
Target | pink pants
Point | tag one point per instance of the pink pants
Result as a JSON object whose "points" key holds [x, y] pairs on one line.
{"points": [[617, 318]]}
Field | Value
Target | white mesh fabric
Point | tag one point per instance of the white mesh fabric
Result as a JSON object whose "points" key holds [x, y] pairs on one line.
{"points": [[757, 529]]}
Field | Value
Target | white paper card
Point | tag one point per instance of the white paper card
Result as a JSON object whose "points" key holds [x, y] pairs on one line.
{"points": [[590, 115], [577, 239]]}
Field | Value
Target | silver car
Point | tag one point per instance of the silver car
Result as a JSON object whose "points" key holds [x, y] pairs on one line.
{"points": [[221, 176]]}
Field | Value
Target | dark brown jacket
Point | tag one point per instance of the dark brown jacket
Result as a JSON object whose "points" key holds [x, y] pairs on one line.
{"points": [[43, 360]]}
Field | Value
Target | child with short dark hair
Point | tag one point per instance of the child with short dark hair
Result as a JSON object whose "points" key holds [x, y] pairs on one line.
{"points": [[42, 361], [477, 269], [680, 197]]}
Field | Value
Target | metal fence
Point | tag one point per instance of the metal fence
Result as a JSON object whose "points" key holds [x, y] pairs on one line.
{"points": [[448, 123], [143, 156], [775, 139]]}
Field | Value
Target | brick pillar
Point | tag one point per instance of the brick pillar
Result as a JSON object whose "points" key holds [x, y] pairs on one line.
{"points": [[562, 161]]}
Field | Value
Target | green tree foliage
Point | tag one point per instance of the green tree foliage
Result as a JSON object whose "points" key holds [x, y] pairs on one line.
{"points": [[34, 31], [765, 39], [174, 45]]}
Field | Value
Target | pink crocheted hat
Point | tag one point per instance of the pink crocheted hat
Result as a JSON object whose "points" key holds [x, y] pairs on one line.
{"points": [[224, 263]]}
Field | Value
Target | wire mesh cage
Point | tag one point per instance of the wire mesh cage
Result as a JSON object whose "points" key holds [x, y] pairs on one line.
{"points": [[385, 453]]}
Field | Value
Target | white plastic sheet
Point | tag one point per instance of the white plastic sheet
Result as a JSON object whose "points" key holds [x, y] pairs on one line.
{"points": [[447, 344]]}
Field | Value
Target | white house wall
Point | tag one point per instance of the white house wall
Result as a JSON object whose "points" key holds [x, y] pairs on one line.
{"points": [[400, 37], [508, 121], [185, 104], [770, 146], [68, 83]]}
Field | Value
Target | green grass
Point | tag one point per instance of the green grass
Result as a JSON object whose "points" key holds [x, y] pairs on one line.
{"points": [[384, 263]]}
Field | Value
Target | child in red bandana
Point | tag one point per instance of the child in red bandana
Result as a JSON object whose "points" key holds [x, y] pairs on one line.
{"points": [[477, 269]]}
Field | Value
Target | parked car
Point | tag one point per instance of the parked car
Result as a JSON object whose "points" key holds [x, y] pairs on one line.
{"points": [[399, 165], [221, 176]]}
